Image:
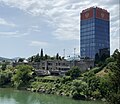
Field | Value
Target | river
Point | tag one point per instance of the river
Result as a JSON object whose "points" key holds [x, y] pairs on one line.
{"points": [[10, 96]]}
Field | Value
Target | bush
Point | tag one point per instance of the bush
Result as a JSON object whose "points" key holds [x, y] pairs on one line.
{"points": [[78, 96], [74, 72], [113, 98], [22, 76], [110, 59]]}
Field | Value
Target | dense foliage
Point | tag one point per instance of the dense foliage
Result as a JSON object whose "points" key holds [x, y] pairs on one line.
{"points": [[102, 82], [22, 76], [19, 76], [114, 94], [38, 57], [74, 72]]}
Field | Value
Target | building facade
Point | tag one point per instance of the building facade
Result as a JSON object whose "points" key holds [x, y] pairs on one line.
{"points": [[58, 67], [94, 32]]}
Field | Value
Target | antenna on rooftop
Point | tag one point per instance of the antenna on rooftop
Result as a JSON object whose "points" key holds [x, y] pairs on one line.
{"points": [[64, 53], [74, 57]]}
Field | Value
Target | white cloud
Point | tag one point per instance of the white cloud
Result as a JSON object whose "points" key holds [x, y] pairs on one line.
{"points": [[55, 12], [63, 15], [14, 34], [35, 28], [6, 23], [38, 43]]}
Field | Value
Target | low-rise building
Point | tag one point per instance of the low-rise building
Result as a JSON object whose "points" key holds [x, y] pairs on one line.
{"points": [[57, 67]]}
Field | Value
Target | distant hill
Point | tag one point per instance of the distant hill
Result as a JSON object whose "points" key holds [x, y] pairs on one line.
{"points": [[16, 58], [7, 59]]}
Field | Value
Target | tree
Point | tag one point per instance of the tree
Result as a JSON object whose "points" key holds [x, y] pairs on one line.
{"points": [[21, 60], [115, 54], [57, 56], [22, 76], [110, 59], [4, 65], [60, 58], [97, 58], [103, 57], [118, 60], [78, 91], [46, 56], [5, 76], [74, 72], [105, 86], [41, 54], [114, 96], [100, 59], [93, 84], [37, 58], [31, 59]]}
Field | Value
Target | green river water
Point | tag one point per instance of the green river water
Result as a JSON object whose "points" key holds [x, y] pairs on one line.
{"points": [[10, 96]]}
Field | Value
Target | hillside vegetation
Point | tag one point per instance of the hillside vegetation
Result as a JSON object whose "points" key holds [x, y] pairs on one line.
{"points": [[101, 82]]}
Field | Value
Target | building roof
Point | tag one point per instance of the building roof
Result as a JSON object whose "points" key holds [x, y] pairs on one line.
{"points": [[73, 58]]}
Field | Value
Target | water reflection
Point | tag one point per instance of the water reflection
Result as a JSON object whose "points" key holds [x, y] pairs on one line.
{"points": [[10, 96]]}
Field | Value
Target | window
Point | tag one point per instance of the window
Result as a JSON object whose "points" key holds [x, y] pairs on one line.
{"points": [[49, 63]]}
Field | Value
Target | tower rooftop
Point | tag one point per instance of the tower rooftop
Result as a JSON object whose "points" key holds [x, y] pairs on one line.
{"points": [[85, 10]]}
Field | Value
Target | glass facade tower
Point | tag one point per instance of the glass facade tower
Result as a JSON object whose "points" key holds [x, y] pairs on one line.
{"points": [[94, 32]]}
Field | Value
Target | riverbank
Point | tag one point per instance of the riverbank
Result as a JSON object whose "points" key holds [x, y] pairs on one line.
{"points": [[97, 83], [76, 85], [64, 86], [10, 96]]}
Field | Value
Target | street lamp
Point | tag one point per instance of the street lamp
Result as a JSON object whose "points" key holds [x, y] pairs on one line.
{"points": [[74, 57]]}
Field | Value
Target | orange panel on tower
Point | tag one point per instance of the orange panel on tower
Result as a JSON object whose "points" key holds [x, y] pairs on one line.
{"points": [[86, 14], [102, 14]]}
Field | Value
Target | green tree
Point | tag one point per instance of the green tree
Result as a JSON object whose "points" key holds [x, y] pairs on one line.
{"points": [[31, 59], [110, 59], [97, 58], [103, 57], [5, 76], [78, 89], [74, 72], [60, 58], [22, 76], [115, 54], [21, 60], [46, 56], [57, 56], [114, 95], [37, 58], [41, 54], [105, 86], [93, 84], [4, 65]]}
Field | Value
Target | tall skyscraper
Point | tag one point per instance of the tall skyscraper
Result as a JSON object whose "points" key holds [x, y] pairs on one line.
{"points": [[94, 32]]}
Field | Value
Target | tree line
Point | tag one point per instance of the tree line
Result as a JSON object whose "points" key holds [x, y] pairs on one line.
{"points": [[100, 82]]}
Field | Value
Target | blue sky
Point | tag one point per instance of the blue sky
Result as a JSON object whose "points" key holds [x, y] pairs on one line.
{"points": [[26, 26]]}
